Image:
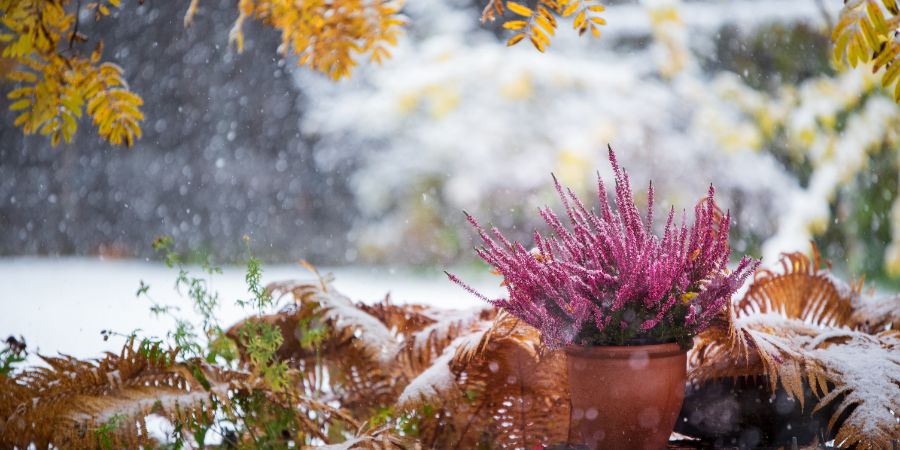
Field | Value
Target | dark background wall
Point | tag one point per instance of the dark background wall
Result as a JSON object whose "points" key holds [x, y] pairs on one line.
{"points": [[221, 154]]}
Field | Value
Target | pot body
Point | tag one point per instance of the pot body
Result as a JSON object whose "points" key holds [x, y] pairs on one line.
{"points": [[627, 397]]}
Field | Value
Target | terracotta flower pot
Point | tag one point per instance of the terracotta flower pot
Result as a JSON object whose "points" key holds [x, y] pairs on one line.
{"points": [[625, 397]]}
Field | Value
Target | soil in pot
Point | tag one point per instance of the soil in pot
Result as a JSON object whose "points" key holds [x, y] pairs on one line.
{"points": [[626, 397]]}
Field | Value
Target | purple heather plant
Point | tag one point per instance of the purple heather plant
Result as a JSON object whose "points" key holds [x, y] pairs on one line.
{"points": [[608, 279]]}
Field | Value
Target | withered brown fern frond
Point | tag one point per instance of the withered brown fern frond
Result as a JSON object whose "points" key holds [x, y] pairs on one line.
{"points": [[387, 376], [801, 329], [497, 385], [79, 404], [462, 377]]}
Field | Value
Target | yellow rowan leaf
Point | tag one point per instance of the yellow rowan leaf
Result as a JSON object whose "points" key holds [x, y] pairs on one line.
{"points": [[547, 15], [22, 76], [20, 92], [21, 119], [20, 104], [98, 51], [571, 9], [515, 39], [540, 35], [869, 32], [519, 9], [69, 127], [545, 24], [876, 17], [47, 128], [515, 24], [578, 24], [596, 8], [891, 6], [73, 105], [537, 43], [887, 55], [891, 74]]}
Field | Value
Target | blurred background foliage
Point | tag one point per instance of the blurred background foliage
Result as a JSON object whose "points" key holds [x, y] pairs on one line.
{"points": [[376, 169]]}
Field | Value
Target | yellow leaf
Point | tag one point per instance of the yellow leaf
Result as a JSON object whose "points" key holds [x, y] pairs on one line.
{"points": [[887, 55], [515, 24], [543, 12], [876, 17], [578, 24], [537, 43], [571, 9], [515, 39], [98, 51], [545, 24], [540, 36], [891, 6], [69, 127], [519, 9], [20, 104], [19, 92], [890, 75], [21, 119], [18, 75]]}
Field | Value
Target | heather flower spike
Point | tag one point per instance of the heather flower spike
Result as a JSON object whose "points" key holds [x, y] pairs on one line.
{"points": [[607, 279]]}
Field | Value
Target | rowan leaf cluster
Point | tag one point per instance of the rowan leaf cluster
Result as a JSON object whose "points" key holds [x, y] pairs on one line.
{"points": [[56, 82], [328, 36], [59, 75], [868, 31], [538, 23]]}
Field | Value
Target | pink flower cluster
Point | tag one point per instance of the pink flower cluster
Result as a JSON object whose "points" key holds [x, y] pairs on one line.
{"points": [[608, 278]]}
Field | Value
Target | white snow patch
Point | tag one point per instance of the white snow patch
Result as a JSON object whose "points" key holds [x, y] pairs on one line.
{"points": [[438, 378]]}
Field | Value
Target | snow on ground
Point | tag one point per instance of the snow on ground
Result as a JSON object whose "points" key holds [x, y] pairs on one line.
{"points": [[61, 305]]}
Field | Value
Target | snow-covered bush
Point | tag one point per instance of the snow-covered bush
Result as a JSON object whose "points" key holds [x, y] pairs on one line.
{"points": [[456, 120]]}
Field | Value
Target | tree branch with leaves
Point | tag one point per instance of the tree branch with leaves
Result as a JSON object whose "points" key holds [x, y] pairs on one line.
{"points": [[56, 83]]}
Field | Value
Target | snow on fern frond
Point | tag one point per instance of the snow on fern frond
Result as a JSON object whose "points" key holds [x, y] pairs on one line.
{"points": [[874, 313], [343, 313], [62, 404], [428, 343], [437, 380], [449, 322], [802, 331], [802, 290], [500, 381]]}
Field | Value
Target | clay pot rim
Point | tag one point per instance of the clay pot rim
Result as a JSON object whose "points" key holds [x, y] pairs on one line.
{"points": [[624, 351]]}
